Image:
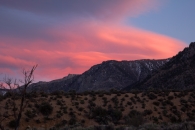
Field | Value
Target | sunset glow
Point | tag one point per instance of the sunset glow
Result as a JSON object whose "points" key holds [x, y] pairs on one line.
{"points": [[70, 41]]}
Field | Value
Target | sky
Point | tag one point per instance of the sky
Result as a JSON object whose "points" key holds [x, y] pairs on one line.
{"points": [[69, 36]]}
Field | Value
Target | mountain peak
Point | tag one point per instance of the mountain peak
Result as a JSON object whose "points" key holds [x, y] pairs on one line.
{"points": [[192, 45], [177, 74]]}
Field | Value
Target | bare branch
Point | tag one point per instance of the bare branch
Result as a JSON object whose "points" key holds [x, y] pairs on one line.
{"points": [[12, 85]]}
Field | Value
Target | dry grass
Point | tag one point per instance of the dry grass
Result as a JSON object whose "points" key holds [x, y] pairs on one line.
{"points": [[154, 107]]}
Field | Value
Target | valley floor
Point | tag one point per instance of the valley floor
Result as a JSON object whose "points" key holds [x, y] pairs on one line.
{"points": [[115, 109]]}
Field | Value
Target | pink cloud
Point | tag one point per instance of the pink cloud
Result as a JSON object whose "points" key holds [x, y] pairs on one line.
{"points": [[75, 51], [75, 45]]}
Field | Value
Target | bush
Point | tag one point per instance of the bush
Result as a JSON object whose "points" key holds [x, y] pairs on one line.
{"points": [[183, 109], [82, 101], [45, 108], [133, 113], [152, 96], [115, 114], [170, 97], [129, 103], [72, 121], [59, 103], [173, 119], [12, 124], [147, 112], [136, 120], [100, 115], [29, 114], [99, 111], [156, 103]]}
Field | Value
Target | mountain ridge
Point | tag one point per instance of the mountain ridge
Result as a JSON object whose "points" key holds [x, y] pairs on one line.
{"points": [[178, 73], [108, 75]]}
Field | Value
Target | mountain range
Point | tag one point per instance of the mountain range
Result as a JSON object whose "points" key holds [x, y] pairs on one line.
{"points": [[177, 72], [105, 76]]}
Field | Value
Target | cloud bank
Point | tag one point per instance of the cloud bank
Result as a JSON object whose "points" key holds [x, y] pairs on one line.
{"points": [[70, 36]]}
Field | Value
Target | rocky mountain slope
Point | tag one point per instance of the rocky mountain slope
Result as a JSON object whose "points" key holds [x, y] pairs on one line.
{"points": [[104, 76], [178, 73]]}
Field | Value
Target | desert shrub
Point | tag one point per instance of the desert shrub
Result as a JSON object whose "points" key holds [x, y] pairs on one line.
{"points": [[12, 124], [192, 95], [85, 98], [160, 99], [105, 101], [174, 110], [181, 94], [71, 113], [76, 103], [38, 121], [101, 95], [129, 103], [58, 93], [104, 127], [30, 105], [113, 90], [58, 115], [156, 103], [43, 94], [191, 116], [67, 96], [151, 96], [83, 121], [155, 119], [100, 115], [29, 114], [115, 114], [170, 97], [72, 121], [155, 109], [147, 112], [91, 93], [139, 100], [80, 109], [167, 102], [115, 100], [59, 103], [173, 119], [183, 101], [45, 108], [143, 105], [118, 94], [64, 109], [133, 100], [93, 98], [104, 98], [62, 123], [122, 99], [27, 119], [133, 113], [164, 112], [91, 104], [99, 111], [82, 101], [193, 110], [134, 120], [160, 117], [183, 109]]}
